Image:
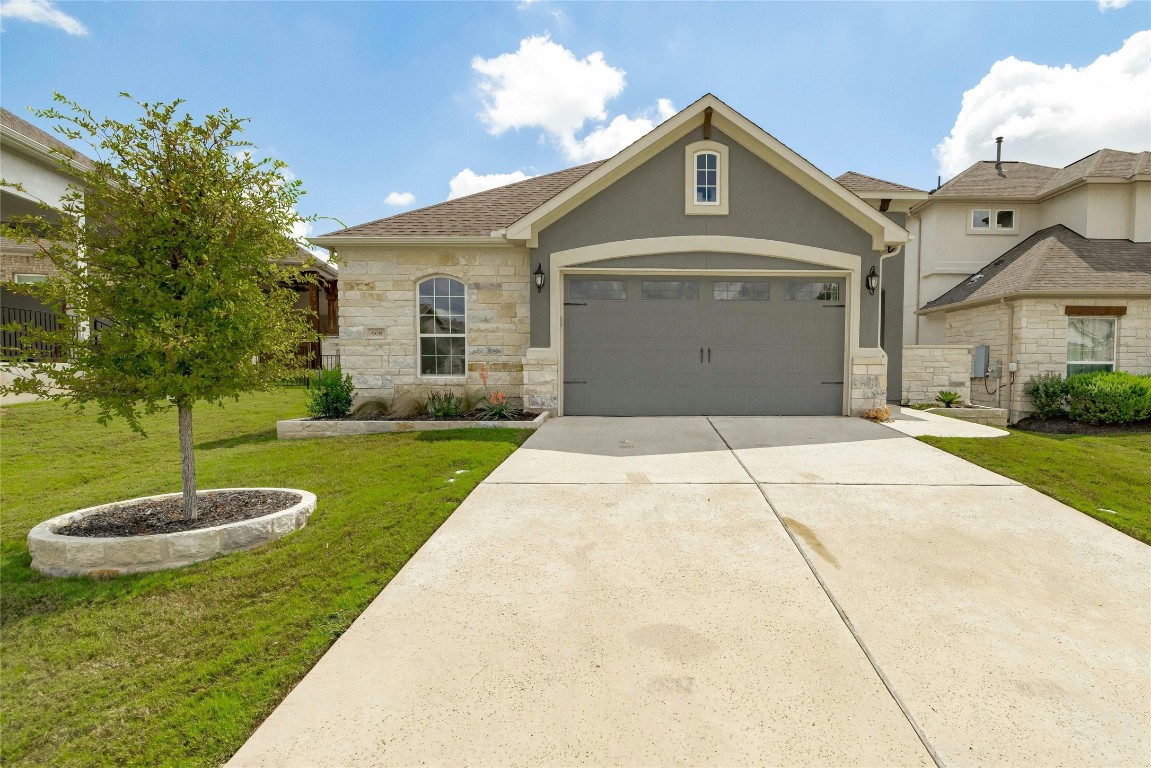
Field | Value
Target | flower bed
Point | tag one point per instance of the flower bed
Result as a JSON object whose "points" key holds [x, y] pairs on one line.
{"points": [[294, 429]]}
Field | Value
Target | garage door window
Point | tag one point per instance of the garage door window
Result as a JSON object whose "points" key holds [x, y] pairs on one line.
{"points": [[442, 327], [797, 291], [741, 290], [668, 289], [610, 290]]}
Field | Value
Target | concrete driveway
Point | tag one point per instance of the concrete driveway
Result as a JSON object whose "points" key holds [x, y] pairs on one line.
{"points": [[795, 591]]}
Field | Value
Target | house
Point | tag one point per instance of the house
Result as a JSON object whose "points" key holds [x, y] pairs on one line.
{"points": [[705, 269], [1049, 268], [321, 300]]}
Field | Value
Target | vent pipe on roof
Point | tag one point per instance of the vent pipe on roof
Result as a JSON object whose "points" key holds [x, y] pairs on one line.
{"points": [[999, 155]]}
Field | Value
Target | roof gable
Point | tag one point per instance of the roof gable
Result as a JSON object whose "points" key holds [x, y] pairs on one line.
{"points": [[859, 182], [883, 231]]}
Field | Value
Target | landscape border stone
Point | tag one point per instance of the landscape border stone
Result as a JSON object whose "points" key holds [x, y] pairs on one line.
{"points": [[56, 555], [295, 429]]}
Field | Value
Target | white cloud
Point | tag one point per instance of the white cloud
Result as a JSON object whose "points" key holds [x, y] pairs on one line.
{"points": [[1054, 115], [468, 182], [544, 85], [399, 198], [1110, 5], [41, 12]]}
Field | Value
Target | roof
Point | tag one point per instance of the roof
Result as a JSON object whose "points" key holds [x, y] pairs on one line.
{"points": [[311, 263], [24, 128], [858, 182], [1031, 181], [1057, 260], [476, 215]]}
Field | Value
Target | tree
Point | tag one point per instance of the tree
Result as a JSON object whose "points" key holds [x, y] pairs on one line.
{"points": [[167, 293]]}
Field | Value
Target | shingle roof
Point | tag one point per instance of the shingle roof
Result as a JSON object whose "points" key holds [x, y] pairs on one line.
{"points": [[858, 182], [476, 215], [1024, 180], [1105, 162], [1058, 259], [315, 264], [27, 130]]}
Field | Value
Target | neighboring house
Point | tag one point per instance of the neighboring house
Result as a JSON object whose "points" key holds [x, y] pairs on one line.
{"points": [[321, 300], [705, 269], [1031, 248]]}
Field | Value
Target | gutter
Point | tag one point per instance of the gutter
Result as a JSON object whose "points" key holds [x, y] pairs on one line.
{"points": [[1068, 294], [328, 241], [36, 148]]}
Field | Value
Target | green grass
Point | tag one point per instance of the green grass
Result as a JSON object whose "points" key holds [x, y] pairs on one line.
{"points": [[1089, 473], [180, 667]]}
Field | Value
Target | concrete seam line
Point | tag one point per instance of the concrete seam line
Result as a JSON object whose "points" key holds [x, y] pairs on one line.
{"points": [[842, 614]]}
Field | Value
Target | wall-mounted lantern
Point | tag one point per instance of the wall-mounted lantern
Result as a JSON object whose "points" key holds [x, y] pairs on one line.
{"points": [[872, 281], [539, 278]]}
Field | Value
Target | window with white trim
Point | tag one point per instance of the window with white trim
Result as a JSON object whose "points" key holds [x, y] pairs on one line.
{"points": [[986, 220], [705, 179], [1090, 344], [26, 279], [442, 327]]}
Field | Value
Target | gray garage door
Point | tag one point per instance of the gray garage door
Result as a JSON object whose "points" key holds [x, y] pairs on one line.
{"points": [[724, 346]]}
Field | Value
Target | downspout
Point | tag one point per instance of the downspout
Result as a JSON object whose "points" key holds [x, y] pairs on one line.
{"points": [[1010, 307], [918, 271]]}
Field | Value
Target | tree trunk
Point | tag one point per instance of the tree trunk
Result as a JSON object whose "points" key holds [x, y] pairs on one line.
{"points": [[187, 461]]}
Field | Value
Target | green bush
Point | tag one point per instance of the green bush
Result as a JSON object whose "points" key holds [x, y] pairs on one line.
{"points": [[1109, 397], [948, 399], [1048, 393], [443, 405], [330, 395]]}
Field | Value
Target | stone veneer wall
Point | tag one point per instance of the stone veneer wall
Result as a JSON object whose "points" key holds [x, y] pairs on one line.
{"points": [[868, 380], [982, 325], [929, 369], [1040, 341], [378, 344]]}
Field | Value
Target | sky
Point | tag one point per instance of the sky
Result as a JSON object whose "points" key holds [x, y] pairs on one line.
{"points": [[383, 107]]}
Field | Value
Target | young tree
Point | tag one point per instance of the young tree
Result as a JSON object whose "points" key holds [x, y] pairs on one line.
{"points": [[168, 293]]}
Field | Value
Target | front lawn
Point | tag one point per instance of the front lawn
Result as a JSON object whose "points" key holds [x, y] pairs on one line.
{"points": [[179, 667], [1090, 473]]}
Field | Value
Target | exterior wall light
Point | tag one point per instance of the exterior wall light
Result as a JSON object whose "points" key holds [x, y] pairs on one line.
{"points": [[540, 279], [872, 281]]}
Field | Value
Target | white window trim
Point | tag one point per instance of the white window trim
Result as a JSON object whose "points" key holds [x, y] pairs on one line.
{"points": [[37, 278], [691, 207], [992, 228], [420, 336], [1113, 362]]}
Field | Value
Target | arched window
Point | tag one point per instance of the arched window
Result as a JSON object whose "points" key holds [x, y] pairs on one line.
{"points": [[707, 178], [442, 318]]}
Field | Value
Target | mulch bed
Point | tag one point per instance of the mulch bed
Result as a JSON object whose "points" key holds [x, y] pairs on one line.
{"points": [[1064, 426], [164, 515], [474, 416]]}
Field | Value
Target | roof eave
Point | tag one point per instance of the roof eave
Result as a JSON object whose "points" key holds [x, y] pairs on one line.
{"points": [[1039, 294], [35, 148], [331, 241]]}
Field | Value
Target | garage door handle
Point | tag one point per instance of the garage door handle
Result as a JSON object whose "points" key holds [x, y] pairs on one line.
{"points": [[709, 354], [701, 354]]}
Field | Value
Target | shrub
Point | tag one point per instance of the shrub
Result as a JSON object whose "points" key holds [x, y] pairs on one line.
{"points": [[948, 399], [879, 413], [497, 407], [1048, 393], [375, 408], [443, 405], [1109, 397], [330, 395]]}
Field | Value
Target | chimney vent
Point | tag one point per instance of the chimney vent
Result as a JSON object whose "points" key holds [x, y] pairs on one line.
{"points": [[999, 155]]}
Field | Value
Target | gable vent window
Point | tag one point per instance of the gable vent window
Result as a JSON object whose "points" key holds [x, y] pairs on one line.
{"points": [[705, 179]]}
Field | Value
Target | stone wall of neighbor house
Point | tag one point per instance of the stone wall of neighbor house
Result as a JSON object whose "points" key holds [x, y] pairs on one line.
{"points": [[868, 381], [929, 369], [378, 342], [21, 259], [982, 325], [1040, 342]]}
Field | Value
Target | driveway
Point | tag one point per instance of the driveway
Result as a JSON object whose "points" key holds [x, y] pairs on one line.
{"points": [[740, 591]]}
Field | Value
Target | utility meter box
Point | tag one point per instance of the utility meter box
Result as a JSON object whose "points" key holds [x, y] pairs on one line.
{"points": [[980, 357]]}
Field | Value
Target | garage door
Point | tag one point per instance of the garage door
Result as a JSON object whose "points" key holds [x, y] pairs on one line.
{"points": [[723, 346]]}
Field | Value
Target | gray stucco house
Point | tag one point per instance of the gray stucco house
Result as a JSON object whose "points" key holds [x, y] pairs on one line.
{"points": [[705, 269]]}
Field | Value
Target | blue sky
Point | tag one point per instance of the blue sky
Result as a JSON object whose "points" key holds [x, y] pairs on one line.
{"points": [[367, 99]]}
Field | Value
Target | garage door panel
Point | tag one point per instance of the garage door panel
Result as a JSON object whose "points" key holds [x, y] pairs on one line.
{"points": [[768, 355]]}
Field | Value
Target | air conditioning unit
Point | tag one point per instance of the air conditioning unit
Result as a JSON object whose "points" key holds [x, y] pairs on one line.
{"points": [[980, 361]]}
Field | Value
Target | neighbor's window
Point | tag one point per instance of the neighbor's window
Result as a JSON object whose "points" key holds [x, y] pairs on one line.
{"points": [[442, 327], [741, 290], [992, 220], [707, 178], [24, 279], [609, 290], [1090, 344], [812, 292], [668, 289]]}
